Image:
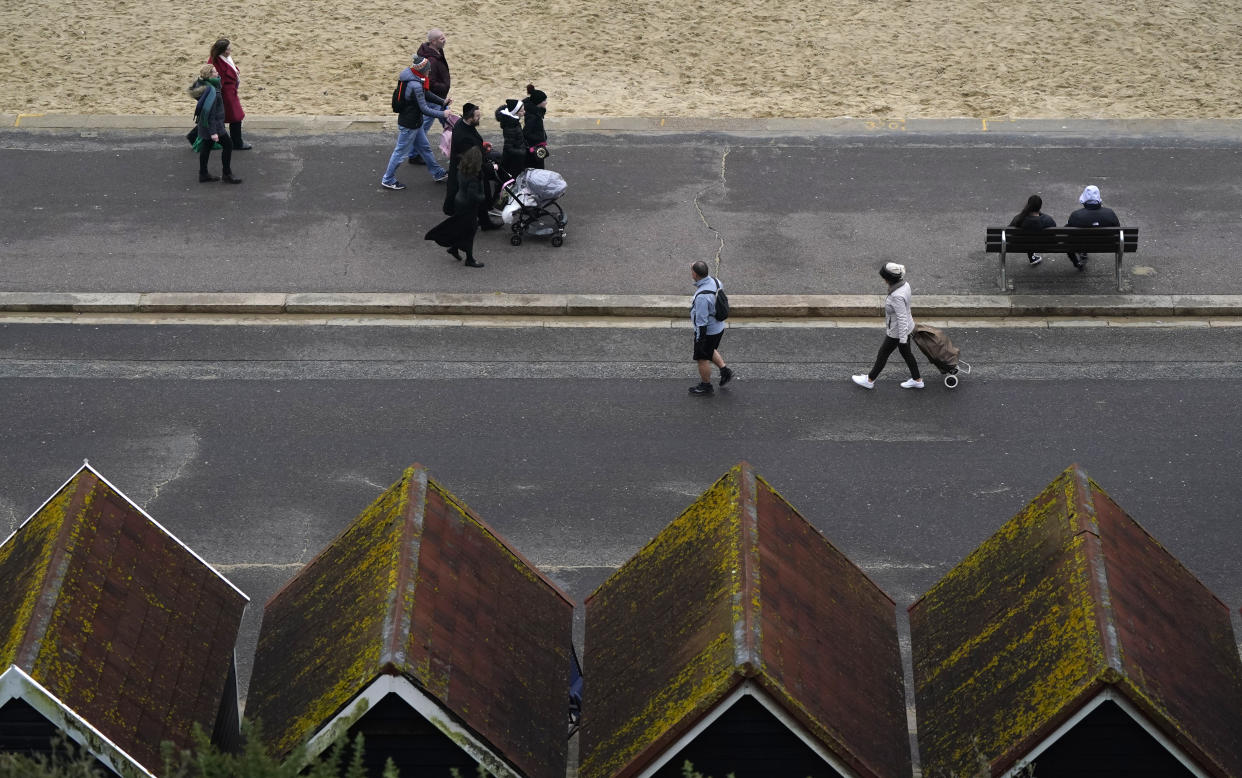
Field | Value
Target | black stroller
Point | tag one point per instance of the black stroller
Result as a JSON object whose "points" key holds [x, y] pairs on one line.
{"points": [[531, 206], [941, 352]]}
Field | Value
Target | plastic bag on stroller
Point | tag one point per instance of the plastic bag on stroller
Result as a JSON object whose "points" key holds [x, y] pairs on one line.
{"points": [[519, 199]]}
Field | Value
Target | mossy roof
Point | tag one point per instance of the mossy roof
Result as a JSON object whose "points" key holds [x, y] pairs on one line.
{"points": [[740, 587], [418, 585], [116, 618], [1067, 598]]}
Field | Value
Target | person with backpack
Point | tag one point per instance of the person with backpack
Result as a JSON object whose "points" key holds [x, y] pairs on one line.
{"points": [[411, 101], [209, 120], [708, 309], [898, 329]]}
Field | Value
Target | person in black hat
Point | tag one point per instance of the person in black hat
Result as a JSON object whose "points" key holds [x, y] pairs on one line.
{"points": [[513, 154], [465, 137], [536, 138]]}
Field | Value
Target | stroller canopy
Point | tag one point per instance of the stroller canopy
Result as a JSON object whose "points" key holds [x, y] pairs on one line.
{"points": [[545, 185]]}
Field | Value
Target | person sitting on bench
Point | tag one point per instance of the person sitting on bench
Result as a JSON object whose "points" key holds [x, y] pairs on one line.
{"points": [[1091, 214], [1030, 218]]}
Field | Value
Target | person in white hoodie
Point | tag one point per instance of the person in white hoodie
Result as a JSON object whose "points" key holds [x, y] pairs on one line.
{"points": [[898, 329]]}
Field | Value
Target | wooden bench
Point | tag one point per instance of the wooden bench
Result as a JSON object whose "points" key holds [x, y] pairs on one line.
{"points": [[1062, 240]]}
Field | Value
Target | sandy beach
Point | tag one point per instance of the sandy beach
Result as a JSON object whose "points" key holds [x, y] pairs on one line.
{"points": [[685, 58]]}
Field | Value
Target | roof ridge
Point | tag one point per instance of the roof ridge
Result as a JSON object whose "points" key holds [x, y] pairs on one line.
{"points": [[397, 621], [1085, 523], [746, 629], [53, 572]]}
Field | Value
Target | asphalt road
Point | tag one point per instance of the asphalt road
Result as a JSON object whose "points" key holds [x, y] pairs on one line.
{"points": [[97, 210], [256, 445]]}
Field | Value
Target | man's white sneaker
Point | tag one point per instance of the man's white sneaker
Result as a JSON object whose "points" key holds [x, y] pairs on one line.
{"points": [[912, 383], [863, 381]]}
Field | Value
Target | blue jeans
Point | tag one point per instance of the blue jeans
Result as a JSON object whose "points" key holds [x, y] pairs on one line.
{"points": [[411, 140]]}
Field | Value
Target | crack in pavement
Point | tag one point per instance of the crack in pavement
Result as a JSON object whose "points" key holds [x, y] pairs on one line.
{"points": [[720, 243]]}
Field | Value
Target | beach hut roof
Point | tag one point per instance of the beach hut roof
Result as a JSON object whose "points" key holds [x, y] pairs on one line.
{"points": [[1068, 606], [116, 623], [420, 588], [741, 597]]}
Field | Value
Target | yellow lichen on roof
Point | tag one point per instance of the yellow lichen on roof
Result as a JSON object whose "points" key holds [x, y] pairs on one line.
{"points": [[1008, 638], [690, 574], [24, 561], [332, 641], [57, 665]]}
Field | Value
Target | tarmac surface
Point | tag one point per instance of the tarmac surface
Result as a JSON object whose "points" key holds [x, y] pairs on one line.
{"points": [[782, 209]]}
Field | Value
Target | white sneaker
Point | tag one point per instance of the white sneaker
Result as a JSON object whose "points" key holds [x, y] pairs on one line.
{"points": [[863, 381], [912, 383]]}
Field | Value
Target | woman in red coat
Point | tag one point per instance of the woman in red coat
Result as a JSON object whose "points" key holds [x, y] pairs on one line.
{"points": [[222, 58]]}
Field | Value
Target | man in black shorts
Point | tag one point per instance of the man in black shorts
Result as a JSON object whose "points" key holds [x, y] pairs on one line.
{"points": [[707, 329]]}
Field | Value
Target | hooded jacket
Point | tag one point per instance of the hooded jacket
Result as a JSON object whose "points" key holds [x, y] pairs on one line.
{"points": [[438, 72], [533, 131], [513, 155], [1092, 214], [898, 321], [416, 101]]}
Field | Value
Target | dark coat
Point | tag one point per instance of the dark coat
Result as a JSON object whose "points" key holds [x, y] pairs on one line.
{"points": [[229, 82], [513, 155], [464, 136], [458, 230], [1093, 215], [416, 102], [533, 133], [438, 73], [210, 113], [1032, 221]]}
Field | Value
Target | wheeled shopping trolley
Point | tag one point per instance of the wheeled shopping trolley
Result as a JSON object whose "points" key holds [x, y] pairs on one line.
{"points": [[941, 352]]}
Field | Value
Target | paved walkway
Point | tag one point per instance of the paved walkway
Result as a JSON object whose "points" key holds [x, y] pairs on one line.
{"points": [[795, 216]]}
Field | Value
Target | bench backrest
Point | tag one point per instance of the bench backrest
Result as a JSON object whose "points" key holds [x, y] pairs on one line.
{"points": [[1063, 239]]}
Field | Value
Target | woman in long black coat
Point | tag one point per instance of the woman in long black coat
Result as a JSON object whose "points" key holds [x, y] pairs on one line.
{"points": [[534, 135], [457, 231]]}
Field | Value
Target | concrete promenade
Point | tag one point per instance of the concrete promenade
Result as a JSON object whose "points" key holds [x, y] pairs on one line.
{"points": [[795, 215]]}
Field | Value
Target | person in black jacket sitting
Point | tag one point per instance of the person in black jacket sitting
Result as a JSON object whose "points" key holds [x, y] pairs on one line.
{"points": [[1091, 214], [1030, 218]]}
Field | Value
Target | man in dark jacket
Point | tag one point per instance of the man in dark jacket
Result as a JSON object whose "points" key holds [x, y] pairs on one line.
{"points": [[412, 103], [437, 75], [465, 136], [1091, 214]]}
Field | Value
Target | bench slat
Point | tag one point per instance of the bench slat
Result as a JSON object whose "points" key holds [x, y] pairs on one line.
{"points": [[1093, 239]]}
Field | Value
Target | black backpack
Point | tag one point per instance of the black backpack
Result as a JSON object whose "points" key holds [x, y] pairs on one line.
{"points": [[722, 301], [398, 98]]}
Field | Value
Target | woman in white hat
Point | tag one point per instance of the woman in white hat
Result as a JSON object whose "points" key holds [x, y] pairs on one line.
{"points": [[898, 329]]}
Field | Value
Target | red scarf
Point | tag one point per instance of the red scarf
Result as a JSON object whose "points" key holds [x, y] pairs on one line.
{"points": [[426, 81]]}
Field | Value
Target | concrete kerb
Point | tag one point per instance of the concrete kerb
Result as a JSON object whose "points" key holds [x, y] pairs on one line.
{"points": [[786, 307], [1226, 129]]}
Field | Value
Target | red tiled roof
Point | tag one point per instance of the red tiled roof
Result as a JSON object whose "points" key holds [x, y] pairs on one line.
{"points": [[1067, 598], [740, 587], [117, 619], [418, 585]]}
